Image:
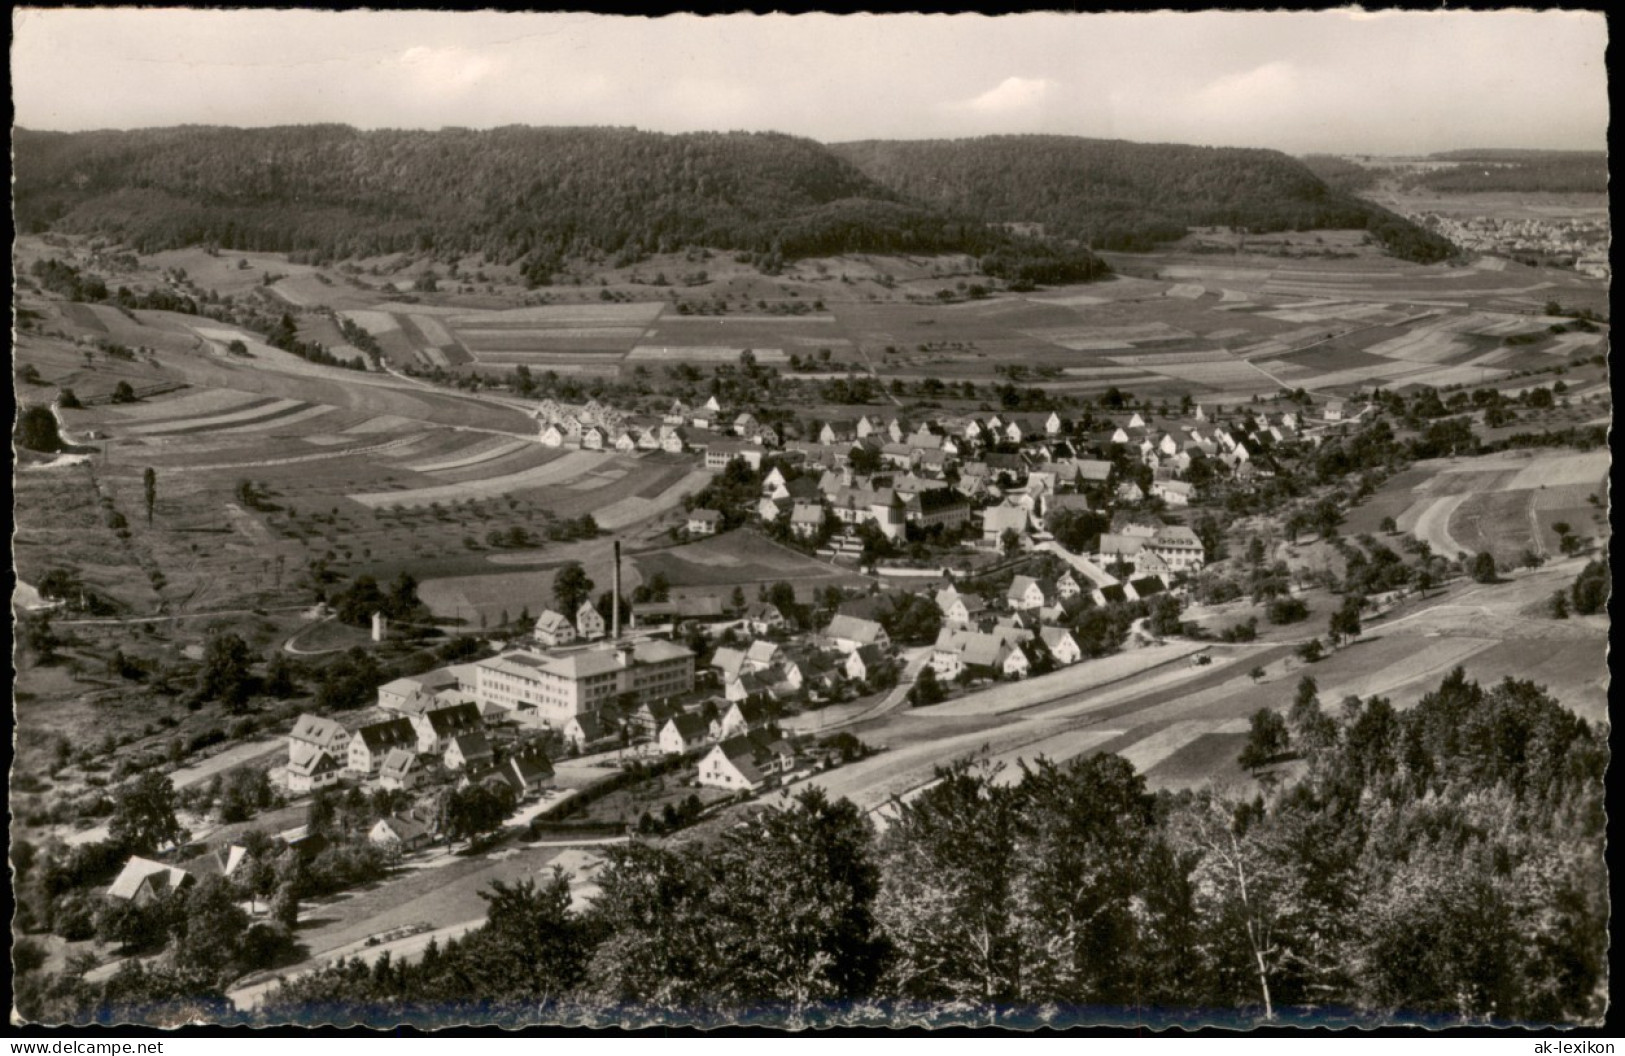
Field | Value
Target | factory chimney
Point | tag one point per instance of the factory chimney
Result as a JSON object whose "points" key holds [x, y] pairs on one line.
{"points": [[615, 596]]}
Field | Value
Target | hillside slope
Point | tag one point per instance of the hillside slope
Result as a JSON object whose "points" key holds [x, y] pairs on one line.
{"points": [[1118, 195], [536, 194]]}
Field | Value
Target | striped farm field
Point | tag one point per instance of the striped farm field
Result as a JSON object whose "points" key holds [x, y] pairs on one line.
{"points": [[480, 343], [584, 314], [554, 474], [272, 414], [432, 329], [385, 423], [374, 322], [1431, 345], [1102, 372], [493, 336], [280, 421], [704, 353], [528, 456], [758, 320], [1150, 360], [1217, 374], [1087, 338], [207, 401], [242, 410], [487, 450]]}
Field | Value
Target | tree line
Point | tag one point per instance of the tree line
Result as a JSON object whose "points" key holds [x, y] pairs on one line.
{"points": [[1117, 195], [535, 197]]}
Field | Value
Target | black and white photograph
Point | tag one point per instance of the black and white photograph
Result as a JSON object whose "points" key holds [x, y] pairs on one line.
{"points": [[800, 522]]}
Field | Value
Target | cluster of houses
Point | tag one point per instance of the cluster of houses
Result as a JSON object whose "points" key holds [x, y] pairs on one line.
{"points": [[596, 426]]}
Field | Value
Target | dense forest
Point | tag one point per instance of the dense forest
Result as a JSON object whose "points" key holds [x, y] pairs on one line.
{"points": [[536, 195], [1117, 195], [1437, 865], [1340, 173], [539, 196], [1556, 171]]}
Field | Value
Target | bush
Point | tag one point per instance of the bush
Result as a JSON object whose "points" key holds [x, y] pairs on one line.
{"points": [[1287, 610]]}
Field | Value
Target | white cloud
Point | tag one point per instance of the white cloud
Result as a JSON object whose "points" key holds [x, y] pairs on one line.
{"points": [[1013, 95], [447, 69], [1270, 84]]}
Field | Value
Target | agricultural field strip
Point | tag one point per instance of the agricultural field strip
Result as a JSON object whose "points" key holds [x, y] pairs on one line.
{"points": [[759, 320], [629, 511], [486, 450], [227, 418], [280, 421], [588, 314], [1079, 678], [704, 353], [321, 456], [209, 401], [555, 473]]}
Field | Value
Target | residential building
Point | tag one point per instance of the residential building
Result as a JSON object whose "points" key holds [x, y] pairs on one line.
{"points": [[996, 520], [850, 633], [144, 881], [589, 624], [316, 731], [400, 835], [683, 732], [704, 522], [401, 770], [554, 629], [310, 768], [374, 741], [1061, 645], [437, 727], [746, 763], [530, 768], [467, 751]]}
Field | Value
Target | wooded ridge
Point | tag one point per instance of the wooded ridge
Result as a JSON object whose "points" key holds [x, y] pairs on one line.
{"points": [[542, 195]]}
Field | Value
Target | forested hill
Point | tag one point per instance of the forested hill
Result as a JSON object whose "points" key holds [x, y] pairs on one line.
{"points": [[1127, 196], [535, 194], [540, 195]]}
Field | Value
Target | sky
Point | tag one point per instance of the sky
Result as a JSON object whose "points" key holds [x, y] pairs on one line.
{"points": [[1343, 81]]}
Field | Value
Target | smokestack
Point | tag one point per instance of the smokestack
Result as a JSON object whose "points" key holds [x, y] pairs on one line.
{"points": [[615, 596]]}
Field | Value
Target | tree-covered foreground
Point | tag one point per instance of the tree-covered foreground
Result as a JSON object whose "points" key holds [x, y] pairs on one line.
{"points": [[1442, 864]]}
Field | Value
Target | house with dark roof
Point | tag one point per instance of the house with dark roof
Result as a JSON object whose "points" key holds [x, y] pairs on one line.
{"points": [[468, 750], [400, 835], [310, 768], [589, 730], [530, 767], [683, 732], [746, 763], [436, 728], [373, 741]]}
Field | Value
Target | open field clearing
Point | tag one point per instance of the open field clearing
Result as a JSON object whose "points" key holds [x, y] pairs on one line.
{"points": [[560, 471], [526, 455], [1555, 471], [633, 509], [485, 450], [703, 354], [185, 404], [1091, 338], [253, 412], [642, 313], [1079, 678], [739, 557], [284, 422]]}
